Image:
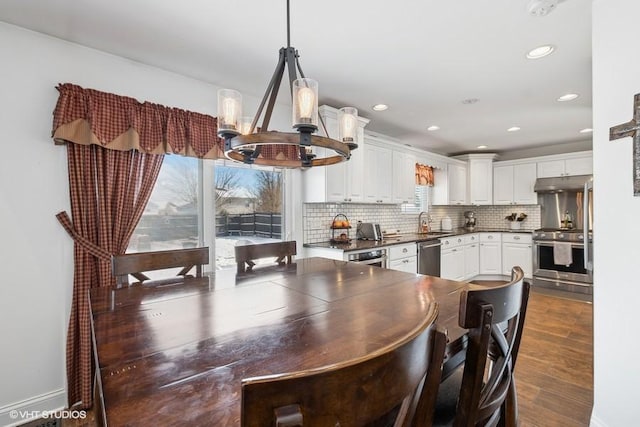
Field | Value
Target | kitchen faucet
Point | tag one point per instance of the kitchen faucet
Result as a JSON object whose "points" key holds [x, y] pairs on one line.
{"points": [[424, 226]]}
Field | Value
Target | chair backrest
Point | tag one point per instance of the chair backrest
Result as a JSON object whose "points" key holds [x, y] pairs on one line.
{"points": [[396, 385], [247, 254], [136, 264], [495, 319]]}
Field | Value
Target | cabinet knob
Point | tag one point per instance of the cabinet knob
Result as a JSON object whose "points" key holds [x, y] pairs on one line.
{"points": [[404, 250], [490, 237], [516, 237]]}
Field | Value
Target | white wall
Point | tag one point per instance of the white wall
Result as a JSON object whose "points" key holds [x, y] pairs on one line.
{"points": [[616, 78], [36, 255]]}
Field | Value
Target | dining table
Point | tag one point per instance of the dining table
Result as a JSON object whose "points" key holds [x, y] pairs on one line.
{"points": [[175, 352]]}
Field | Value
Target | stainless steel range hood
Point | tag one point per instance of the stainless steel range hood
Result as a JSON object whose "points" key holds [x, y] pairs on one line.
{"points": [[558, 184]]}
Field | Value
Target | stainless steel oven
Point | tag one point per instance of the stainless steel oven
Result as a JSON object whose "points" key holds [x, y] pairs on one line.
{"points": [[573, 276], [375, 257]]}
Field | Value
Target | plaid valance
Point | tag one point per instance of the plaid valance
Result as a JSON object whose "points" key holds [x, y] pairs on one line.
{"points": [[88, 116]]}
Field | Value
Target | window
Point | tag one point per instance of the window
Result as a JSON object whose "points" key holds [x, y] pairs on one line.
{"points": [[421, 202], [190, 195], [170, 220], [249, 202]]}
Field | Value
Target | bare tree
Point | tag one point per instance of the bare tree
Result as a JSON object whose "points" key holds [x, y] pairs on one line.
{"points": [[227, 180], [182, 182], [268, 192]]}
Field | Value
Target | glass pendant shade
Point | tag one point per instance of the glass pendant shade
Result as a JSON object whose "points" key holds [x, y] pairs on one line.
{"points": [[229, 110], [245, 125], [348, 124], [305, 103]]}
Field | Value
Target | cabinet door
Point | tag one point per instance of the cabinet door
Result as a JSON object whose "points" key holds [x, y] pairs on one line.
{"points": [[452, 264], [355, 171], [471, 261], [550, 168], [370, 174], [408, 265], [403, 177], [457, 176], [517, 254], [490, 258], [579, 166], [480, 175], [503, 185], [440, 191], [336, 176], [524, 179], [378, 169]]}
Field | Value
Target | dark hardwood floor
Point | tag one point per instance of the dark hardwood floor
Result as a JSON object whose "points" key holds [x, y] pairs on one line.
{"points": [[554, 372]]}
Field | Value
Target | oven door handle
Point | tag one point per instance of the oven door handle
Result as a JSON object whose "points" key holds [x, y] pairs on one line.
{"points": [[372, 260]]}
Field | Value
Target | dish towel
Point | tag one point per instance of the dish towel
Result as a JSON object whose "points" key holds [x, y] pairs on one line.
{"points": [[562, 253]]}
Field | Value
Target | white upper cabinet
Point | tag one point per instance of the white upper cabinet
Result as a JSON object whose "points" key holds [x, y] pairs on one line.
{"points": [[479, 187], [513, 184], [457, 184], [566, 165], [342, 182], [404, 179], [377, 174]]}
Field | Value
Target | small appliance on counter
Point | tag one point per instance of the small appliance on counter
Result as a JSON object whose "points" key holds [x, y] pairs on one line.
{"points": [[470, 220], [368, 231], [446, 224]]}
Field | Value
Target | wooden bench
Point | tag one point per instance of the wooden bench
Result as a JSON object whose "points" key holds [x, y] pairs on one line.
{"points": [[246, 254], [136, 264]]}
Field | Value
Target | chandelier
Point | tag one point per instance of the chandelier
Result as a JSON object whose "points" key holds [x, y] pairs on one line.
{"points": [[244, 141]]}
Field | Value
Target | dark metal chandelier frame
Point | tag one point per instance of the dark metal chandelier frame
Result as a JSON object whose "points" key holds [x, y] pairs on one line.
{"points": [[247, 148]]}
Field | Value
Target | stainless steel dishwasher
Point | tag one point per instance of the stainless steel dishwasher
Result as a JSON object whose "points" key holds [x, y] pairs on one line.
{"points": [[429, 258]]}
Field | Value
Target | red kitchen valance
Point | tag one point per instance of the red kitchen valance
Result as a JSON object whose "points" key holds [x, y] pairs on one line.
{"points": [[88, 116]]}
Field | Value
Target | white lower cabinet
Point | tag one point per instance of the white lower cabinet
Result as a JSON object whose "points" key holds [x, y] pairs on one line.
{"points": [[459, 257], [471, 260], [404, 258], [517, 250], [490, 253], [452, 263]]}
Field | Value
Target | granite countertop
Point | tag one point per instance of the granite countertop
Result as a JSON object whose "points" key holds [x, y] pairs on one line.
{"points": [[358, 245]]}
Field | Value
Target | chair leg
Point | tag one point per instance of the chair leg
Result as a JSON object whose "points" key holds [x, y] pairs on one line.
{"points": [[509, 416]]}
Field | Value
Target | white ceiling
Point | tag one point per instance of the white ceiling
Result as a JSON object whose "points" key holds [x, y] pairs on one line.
{"points": [[421, 57]]}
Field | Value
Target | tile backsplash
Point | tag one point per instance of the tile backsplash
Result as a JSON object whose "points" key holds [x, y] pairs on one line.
{"points": [[318, 217]]}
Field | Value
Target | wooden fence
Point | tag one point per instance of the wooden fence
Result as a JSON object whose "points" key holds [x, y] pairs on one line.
{"points": [[252, 224]]}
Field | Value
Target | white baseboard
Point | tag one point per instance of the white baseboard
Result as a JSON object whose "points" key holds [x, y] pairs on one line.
{"points": [[21, 412]]}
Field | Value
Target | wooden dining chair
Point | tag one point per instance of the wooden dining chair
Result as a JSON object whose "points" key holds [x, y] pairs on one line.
{"points": [[247, 254], [395, 385], [136, 264], [483, 392]]}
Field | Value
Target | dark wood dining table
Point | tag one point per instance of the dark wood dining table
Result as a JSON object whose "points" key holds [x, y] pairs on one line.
{"points": [[175, 353]]}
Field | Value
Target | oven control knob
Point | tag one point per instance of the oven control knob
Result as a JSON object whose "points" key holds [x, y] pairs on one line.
{"points": [[560, 236], [580, 237]]}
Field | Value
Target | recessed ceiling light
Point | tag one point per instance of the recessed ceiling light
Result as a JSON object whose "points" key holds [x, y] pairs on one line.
{"points": [[380, 107], [586, 130], [482, 147], [540, 52], [513, 129], [470, 100], [433, 127], [568, 97]]}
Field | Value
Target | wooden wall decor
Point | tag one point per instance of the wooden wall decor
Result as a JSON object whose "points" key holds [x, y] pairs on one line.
{"points": [[631, 129]]}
